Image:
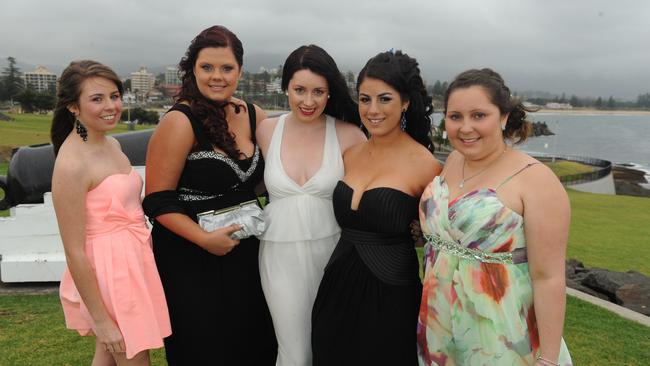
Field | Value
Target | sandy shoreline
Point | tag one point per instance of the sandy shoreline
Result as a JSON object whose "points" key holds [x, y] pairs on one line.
{"points": [[588, 111]]}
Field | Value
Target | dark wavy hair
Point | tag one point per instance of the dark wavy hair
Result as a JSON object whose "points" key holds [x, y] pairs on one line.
{"points": [[68, 93], [517, 127], [315, 59], [212, 114], [402, 73]]}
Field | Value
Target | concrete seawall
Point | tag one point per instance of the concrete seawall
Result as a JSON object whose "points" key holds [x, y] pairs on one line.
{"points": [[603, 185]]}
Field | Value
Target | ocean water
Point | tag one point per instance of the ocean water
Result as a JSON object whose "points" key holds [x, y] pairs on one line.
{"points": [[619, 138]]}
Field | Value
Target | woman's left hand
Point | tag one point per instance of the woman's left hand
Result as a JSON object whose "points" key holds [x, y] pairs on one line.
{"points": [[416, 233]]}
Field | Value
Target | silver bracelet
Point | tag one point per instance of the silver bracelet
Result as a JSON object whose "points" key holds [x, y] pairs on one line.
{"points": [[547, 362]]}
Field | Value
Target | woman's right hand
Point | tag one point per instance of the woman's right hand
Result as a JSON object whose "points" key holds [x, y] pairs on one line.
{"points": [[220, 242], [109, 335]]}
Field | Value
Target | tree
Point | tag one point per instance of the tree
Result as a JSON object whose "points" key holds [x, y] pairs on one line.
{"points": [[599, 103], [574, 101], [144, 116], [445, 86], [349, 77], [27, 100], [611, 103], [44, 101], [11, 84], [643, 100], [160, 78], [437, 88]]}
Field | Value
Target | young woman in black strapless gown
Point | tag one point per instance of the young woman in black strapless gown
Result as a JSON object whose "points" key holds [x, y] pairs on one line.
{"points": [[203, 156], [366, 308]]}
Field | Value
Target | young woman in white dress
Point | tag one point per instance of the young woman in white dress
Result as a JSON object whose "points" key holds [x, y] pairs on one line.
{"points": [[303, 152]]}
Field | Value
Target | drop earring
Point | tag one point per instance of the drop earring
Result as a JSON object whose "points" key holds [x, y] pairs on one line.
{"points": [[81, 129], [402, 122]]}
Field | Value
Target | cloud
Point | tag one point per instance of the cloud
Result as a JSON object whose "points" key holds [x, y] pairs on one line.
{"points": [[582, 47]]}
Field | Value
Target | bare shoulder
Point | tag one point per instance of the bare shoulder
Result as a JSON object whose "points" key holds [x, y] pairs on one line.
{"points": [[173, 136], [424, 163], [534, 169], [70, 169], [266, 126], [114, 141], [242, 103], [174, 122], [537, 182], [348, 134], [350, 154], [260, 114]]}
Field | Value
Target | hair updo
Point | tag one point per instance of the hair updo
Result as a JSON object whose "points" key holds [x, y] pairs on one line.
{"points": [[517, 127], [402, 73]]}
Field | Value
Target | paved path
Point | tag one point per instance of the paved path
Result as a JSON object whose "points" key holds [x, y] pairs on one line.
{"points": [[617, 309], [30, 288]]}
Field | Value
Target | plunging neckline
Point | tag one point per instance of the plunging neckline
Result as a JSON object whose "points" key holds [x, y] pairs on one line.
{"points": [[322, 161], [369, 190]]}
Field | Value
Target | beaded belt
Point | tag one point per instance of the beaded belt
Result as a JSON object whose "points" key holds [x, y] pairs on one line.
{"points": [[517, 256]]}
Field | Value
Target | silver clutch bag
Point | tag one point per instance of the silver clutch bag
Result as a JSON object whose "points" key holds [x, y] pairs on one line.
{"points": [[247, 214]]}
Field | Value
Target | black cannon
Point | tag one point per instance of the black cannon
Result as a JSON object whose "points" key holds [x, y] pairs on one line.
{"points": [[30, 169]]}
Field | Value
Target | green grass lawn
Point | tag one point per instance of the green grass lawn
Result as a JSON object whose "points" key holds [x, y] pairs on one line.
{"points": [[32, 332], [30, 129], [561, 167], [610, 231]]}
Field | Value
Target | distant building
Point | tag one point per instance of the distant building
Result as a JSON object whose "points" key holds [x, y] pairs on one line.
{"points": [[154, 95], [558, 106], [40, 79], [142, 81], [172, 76], [274, 86], [169, 90], [128, 98]]}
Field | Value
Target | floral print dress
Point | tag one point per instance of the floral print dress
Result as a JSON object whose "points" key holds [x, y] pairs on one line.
{"points": [[477, 300]]}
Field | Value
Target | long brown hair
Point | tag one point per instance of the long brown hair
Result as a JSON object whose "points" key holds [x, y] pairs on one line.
{"points": [[212, 114], [68, 93]]}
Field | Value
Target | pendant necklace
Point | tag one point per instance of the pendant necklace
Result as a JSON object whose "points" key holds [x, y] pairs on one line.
{"points": [[463, 180]]}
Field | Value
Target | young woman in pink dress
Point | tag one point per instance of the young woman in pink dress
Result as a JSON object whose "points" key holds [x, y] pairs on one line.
{"points": [[110, 288]]}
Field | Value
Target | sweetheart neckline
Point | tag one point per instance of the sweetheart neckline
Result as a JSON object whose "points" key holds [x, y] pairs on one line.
{"points": [[372, 189], [461, 197], [112, 175]]}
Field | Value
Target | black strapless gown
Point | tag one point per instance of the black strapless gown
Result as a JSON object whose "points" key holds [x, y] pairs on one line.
{"points": [[366, 309]]}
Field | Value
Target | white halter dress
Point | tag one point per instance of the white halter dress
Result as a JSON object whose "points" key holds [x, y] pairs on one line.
{"points": [[300, 237]]}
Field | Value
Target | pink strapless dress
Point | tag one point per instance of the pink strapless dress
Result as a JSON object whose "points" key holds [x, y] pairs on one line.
{"points": [[118, 246]]}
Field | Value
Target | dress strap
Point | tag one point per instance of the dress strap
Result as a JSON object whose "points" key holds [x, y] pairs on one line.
{"points": [[252, 120], [331, 147], [201, 138], [517, 172]]}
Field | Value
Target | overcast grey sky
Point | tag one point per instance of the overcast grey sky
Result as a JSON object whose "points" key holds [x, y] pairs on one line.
{"points": [[589, 48]]}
